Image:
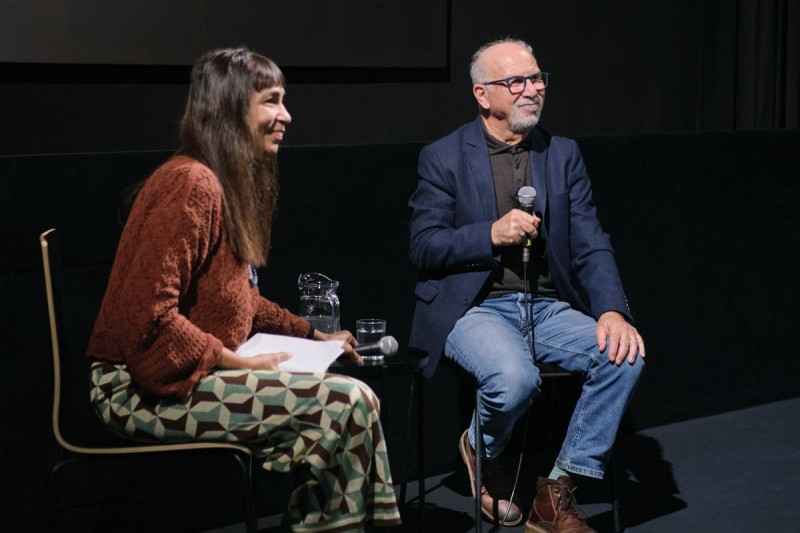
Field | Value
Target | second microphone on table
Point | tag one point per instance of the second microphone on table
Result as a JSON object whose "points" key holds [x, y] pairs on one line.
{"points": [[385, 345]]}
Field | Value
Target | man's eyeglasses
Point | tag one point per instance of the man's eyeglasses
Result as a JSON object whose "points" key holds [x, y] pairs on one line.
{"points": [[516, 84]]}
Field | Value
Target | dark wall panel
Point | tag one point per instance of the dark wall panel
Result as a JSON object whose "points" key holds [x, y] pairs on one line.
{"points": [[705, 235], [352, 33]]}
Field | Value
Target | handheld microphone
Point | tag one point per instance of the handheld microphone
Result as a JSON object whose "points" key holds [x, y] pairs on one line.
{"points": [[386, 345], [525, 196]]}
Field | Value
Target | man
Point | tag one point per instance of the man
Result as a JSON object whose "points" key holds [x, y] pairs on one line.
{"points": [[482, 305]]}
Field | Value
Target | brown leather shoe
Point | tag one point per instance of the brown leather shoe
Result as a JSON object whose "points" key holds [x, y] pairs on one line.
{"points": [[554, 509], [495, 487]]}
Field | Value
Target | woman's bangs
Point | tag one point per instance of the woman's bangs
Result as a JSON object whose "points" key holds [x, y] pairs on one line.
{"points": [[266, 74]]}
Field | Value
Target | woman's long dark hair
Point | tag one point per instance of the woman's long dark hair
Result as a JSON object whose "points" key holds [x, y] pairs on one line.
{"points": [[215, 129]]}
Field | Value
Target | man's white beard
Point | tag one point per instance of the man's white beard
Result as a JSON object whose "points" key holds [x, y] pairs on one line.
{"points": [[522, 123]]}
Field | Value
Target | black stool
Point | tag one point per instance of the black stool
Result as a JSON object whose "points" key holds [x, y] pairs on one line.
{"points": [[546, 372]]}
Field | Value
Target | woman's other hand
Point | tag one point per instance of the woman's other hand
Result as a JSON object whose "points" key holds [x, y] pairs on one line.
{"points": [[348, 342]]}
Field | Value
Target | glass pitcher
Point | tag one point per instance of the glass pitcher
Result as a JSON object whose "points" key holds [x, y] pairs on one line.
{"points": [[319, 303]]}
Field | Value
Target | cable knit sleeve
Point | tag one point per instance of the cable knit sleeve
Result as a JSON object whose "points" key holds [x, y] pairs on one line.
{"points": [[272, 318], [173, 228]]}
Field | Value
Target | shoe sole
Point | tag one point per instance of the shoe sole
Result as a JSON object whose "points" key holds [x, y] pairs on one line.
{"points": [[462, 443], [530, 528]]}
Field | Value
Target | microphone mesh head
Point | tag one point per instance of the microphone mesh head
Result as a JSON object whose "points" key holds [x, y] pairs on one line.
{"points": [[526, 195], [388, 345]]}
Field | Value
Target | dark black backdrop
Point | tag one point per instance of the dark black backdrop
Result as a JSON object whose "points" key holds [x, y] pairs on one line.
{"points": [[703, 225], [617, 67], [663, 97]]}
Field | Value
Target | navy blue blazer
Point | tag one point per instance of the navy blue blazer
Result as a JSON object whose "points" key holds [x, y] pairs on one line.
{"points": [[453, 209]]}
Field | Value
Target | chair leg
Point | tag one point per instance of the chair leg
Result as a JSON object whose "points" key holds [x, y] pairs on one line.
{"points": [[246, 475], [52, 493]]}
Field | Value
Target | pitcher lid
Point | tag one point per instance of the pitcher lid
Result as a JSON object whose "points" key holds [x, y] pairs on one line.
{"points": [[315, 279]]}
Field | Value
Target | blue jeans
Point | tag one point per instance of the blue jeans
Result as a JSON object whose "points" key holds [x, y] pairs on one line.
{"points": [[491, 342]]}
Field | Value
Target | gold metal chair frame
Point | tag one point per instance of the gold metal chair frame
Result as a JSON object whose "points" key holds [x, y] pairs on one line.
{"points": [[72, 453]]}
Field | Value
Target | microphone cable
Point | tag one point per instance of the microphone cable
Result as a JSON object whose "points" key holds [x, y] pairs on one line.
{"points": [[527, 193], [528, 320]]}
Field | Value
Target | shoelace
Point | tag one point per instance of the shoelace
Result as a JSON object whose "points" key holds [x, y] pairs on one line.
{"points": [[566, 502]]}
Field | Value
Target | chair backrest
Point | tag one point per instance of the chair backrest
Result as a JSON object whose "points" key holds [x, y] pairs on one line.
{"points": [[76, 426], [55, 324], [74, 422]]}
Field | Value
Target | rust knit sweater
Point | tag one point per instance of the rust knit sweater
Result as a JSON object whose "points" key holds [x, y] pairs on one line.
{"points": [[177, 293]]}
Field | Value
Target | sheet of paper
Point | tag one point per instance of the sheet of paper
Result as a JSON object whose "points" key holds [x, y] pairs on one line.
{"points": [[307, 355]]}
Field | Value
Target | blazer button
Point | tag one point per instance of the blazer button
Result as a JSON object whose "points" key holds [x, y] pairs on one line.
{"points": [[466, 301]]}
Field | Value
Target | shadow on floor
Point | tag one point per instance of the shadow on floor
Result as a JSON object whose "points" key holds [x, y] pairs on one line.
{"points": [[645, 483], [648, 488]]}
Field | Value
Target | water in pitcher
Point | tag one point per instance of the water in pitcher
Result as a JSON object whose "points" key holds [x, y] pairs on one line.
{"points": [[325, 324], [319, 303]]}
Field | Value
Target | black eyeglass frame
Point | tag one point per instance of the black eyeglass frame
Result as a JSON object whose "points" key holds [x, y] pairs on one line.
{"points": [[533, 78]]}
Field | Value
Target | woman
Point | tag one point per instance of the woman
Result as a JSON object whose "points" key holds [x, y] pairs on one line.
{"points": [[183, 295]]}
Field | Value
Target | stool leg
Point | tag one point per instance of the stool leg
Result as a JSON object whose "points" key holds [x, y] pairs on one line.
{"points": [[615, 504], [420, 394], [478, 461]]}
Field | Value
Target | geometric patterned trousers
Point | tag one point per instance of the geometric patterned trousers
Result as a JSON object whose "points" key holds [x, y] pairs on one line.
{"points": [[325, 426]]}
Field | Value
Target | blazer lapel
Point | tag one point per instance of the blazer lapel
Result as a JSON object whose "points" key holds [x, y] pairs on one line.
{"points": [[477, 155], [538, 169]]}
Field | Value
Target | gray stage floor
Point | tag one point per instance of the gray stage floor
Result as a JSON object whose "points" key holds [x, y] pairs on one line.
{"points": [[738, 471]]}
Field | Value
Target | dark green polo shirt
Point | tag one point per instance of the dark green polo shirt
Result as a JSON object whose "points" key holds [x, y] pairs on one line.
{"points": [[511, 170]]}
